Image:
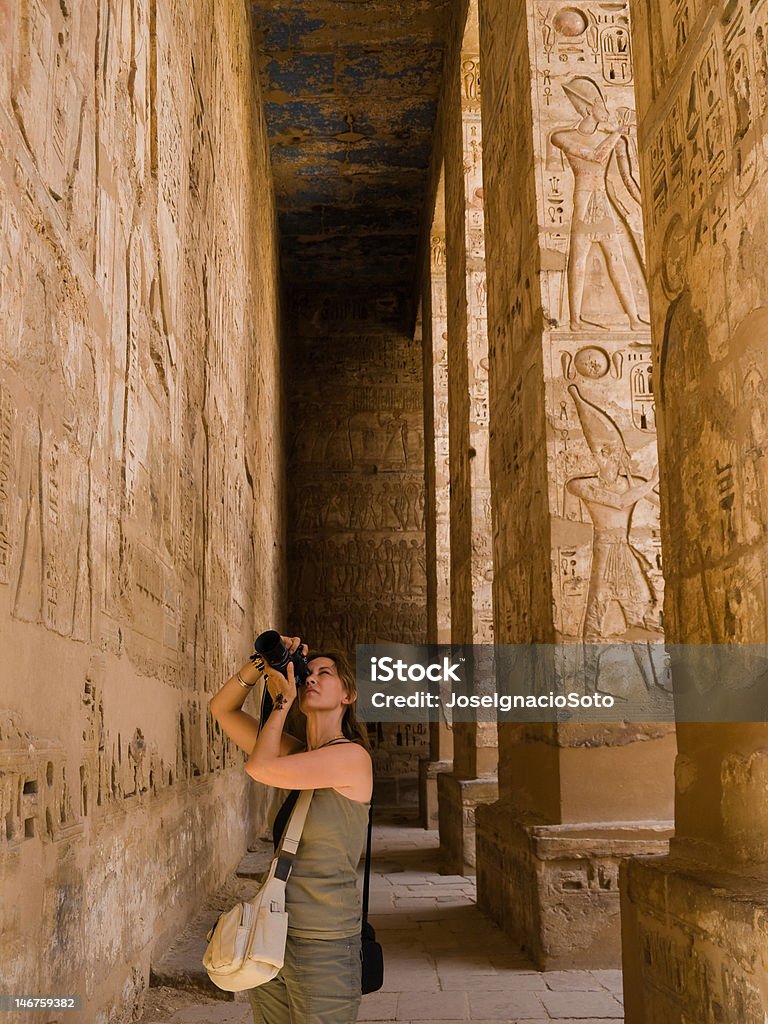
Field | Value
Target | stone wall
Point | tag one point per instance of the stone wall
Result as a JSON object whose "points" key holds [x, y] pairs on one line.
{"points": [[357, 563], [140, 468]]}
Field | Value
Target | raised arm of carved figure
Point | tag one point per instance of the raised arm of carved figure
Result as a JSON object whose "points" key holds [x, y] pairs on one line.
{"points": [[564, 140], [608, 145]]}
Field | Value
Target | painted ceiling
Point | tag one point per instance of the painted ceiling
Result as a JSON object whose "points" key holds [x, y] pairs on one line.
{"points": [[350, 90]]}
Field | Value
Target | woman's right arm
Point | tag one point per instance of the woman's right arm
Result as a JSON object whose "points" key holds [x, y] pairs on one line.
{"points": [[227, 708]]}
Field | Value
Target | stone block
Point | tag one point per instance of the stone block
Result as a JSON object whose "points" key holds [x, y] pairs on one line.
{"points": [[428, 795], [518, 982], [554, 888], [581, 1005], [572, 981], [458, 800], [695, 945], [443, 1006], [378, 1006], [505, 1005]]}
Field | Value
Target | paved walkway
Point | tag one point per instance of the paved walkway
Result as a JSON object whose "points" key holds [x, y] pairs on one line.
{"points": [[444, 961]]}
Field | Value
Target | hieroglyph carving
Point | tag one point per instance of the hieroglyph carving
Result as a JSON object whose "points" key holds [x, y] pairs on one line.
{"points": [[597, 33], [600, 387], [473, 186], [470, 79], [733, 481], [439, 383], [706, 161], [437, 253], [618, 571], [713, 122], [604, 397], [589, 168], [6, 470], [597, 218], [357, 504], [480, 565], [129, 532]]}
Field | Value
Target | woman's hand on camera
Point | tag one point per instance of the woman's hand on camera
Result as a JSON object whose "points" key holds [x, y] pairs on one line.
{"points": [[293, 643], [282, 690], [277, 684]]}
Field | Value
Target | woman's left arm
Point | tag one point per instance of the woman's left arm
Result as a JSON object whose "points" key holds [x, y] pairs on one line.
{"points": [[343, 766]]}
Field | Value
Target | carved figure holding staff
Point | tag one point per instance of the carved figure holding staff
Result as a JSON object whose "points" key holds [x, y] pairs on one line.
{"points": [[590, 147]]}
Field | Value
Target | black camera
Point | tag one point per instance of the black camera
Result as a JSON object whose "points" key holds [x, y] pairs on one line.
{"points": [[270, 647]]}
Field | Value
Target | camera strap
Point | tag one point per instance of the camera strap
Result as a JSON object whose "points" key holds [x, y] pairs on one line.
{"points": [[292, 836], [266, 707], [367, 875], [282, 816]]}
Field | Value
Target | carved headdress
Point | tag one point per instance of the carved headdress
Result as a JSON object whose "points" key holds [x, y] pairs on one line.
{"points": [[599, 429], [583, 93]]}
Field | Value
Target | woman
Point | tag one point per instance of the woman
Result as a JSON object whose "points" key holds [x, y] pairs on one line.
{"points": [[320, 979]]}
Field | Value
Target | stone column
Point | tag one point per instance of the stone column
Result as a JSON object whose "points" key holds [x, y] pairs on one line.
{"points": [[435, 343], [572, 431], [437, 493], [695, 938], [475, 754]]}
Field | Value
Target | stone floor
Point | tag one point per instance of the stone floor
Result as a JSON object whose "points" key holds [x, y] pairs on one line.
{"points": [[444, 961]]}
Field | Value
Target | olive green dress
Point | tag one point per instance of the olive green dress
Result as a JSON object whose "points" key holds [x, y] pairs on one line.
{"points": [[319, 982]]}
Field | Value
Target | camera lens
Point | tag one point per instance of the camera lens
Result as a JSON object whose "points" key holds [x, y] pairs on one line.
{"points": [[270, 647]]}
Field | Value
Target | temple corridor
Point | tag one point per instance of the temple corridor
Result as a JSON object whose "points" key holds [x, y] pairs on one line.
{"points": [[416, 322], [445, 960]]}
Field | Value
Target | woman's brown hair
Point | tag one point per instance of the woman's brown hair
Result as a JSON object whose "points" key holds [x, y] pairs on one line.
{"points": [[351, 728]]}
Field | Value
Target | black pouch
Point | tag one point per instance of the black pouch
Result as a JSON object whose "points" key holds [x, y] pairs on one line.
{"points": [[372, 961]]}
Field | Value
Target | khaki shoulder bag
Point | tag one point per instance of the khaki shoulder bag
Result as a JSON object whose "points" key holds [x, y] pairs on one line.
{"points": [[246, 946]]}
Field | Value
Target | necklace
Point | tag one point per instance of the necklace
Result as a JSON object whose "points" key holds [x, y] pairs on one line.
{"points": [[340, 736]]}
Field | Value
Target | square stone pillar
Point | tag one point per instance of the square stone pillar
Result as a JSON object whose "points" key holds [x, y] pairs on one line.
{"points": [[695, 938], [437, 495], [475, 754], [438, 763], [437, 469], [577, 551]]}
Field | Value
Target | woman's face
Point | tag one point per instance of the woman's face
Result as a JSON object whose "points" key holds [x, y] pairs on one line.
{"points": [[323, 688]]}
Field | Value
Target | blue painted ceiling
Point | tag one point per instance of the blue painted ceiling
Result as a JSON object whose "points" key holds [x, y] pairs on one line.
{"points": [[350, 90]]}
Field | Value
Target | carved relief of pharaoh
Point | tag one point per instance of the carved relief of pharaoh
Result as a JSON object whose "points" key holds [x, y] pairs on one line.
{"points": [[598, 148], [619, 571]]}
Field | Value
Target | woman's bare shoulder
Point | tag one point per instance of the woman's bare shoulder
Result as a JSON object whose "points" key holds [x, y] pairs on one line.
{"points": [[350, 744], [291, 744]]}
